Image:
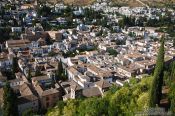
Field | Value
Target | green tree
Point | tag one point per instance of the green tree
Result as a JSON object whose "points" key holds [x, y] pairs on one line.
{"points": [[172, 88], [119, 103], [71, 108], [112, 51], [104, 22], [48, 40], [5, 33], [172, 73], [94, 107], [156, 89], [68, 11], [38, 72], [116, 102], [143, 101], [29, 76], [15, 68], [28, 112], [58, 110], [172, 98], [61, 73], [44, 11], [15, 65], [52, 54], [9, 104], [121, 23], [64, 75], [100, 32]]}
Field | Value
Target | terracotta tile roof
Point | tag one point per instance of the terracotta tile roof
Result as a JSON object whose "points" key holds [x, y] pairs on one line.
{"points": [[91, 92], [103, 84], [38, 78], [49, 92], [25, 89], [17, 43], [75, 86], [99, 72], [3, 56]]}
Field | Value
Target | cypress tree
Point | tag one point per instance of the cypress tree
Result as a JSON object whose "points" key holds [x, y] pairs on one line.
{"points": [[60, 68], [38, 72], [156, 89], [172, 74], [29, 76], [9, 106], [60, 71], [172, 88], [15, 65], [64, 75], [171, 97]]}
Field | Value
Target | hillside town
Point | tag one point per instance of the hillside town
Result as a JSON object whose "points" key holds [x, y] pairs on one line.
{"points": [[51, 53]]}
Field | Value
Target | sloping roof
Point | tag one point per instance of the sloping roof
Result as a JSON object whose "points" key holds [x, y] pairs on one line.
{"points": [[50, 91], [41, 40], [17, 43], [73, 70], [99, 71], [75, 86], [19, 74], [103, 84], [26, 99], [39, 78], [16, 80], [25, 89], [91, 92]]}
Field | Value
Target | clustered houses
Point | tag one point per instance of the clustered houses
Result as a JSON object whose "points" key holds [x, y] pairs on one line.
{"points": [[130, 11], [95, 64]]}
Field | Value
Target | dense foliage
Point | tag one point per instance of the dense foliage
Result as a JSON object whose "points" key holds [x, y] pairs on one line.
{"points": [[126, 100], [9, 106], [112, 51], [29, 76], [15, 67], [156, 89], [172, 88], [61, 74], [5, 34]]}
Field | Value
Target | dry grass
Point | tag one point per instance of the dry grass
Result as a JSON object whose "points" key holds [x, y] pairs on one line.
{"points": [[79, 2], [158, 3], [131, 3], [75, 2]]}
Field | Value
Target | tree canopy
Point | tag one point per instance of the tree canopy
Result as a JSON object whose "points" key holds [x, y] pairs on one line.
{"points": [[126, 100], [9, 104], [156, 89], [61, 74]]}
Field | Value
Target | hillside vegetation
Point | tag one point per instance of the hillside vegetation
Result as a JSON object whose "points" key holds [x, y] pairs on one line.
{"points": [[126, 100]]}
